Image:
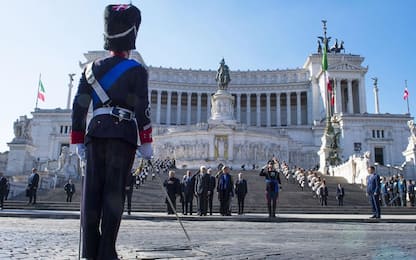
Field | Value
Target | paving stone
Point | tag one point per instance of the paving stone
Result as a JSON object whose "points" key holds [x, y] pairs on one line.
{"points": [[58, 239]]}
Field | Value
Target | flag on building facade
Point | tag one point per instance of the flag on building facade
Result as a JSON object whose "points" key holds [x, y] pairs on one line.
{"points": [[405, 94], [41, 91], [324, 60]]}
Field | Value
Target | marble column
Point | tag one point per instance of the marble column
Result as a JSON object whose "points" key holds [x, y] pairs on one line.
{"points": [[179, 108], [350, 101], [188, 108], [268, 110], [158, 106], [337, 106], [208, 105], [288, 114], [239, 108], [298, 111], [168, 113], [248, 104], [258, 111], [278, 121], [309, 107], [198, 108]]}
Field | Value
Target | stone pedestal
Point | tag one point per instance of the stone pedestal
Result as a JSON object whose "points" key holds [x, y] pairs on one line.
{"points": [[222, 109], [409, 169], [21, 158]]}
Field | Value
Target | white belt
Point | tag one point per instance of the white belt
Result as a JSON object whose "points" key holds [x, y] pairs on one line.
{"points": [[119, 112]]}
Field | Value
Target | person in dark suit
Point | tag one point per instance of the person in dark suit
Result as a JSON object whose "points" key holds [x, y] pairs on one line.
{"points": [[340, 195], [32, 186], [201, 190], [70, 190], [272, 188], [211, 189], [323, 193], [131, 181], [373, 191], [225, 189], [241, 192], [3, 189], [173, 189], [117, 87], [187, 187]]}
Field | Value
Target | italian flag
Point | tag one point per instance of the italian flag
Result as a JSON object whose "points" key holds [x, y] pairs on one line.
{"points": [[41, 91]]}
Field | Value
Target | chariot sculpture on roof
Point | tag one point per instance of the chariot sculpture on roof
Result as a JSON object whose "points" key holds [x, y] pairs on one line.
{"points": [[336, 48]]}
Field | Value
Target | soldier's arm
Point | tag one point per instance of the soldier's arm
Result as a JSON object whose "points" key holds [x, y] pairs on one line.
{"points": [[142, 107], [80, 107]]}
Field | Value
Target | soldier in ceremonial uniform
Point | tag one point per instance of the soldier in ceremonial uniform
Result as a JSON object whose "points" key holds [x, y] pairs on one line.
{"points": [[272, 188], [118, 90]]}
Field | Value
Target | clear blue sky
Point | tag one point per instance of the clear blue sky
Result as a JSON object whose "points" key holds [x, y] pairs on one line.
{"points": [[50, 37]]}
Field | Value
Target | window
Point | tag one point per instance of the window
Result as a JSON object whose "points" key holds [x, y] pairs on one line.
{"points": [[377, 133]]}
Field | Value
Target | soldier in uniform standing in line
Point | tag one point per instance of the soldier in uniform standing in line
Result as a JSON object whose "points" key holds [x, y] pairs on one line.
{"points": [[118, 89]]}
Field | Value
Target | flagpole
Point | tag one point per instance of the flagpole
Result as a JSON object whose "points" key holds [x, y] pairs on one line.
{"points": [[407, 99], [37, 93]]}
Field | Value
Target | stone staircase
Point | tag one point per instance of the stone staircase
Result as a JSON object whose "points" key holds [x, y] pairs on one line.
{"points": [[149, 197]]}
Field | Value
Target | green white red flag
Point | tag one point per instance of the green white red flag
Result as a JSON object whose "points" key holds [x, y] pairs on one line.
{"points": [[41, 91]]}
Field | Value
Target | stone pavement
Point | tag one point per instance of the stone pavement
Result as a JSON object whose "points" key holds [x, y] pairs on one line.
{"points": [[162, 238]]}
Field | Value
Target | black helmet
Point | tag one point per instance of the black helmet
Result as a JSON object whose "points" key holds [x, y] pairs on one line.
{"points": [[121, 23]]}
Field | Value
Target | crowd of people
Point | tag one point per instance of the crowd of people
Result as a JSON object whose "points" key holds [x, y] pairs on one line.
{"points": [[396, 191]]}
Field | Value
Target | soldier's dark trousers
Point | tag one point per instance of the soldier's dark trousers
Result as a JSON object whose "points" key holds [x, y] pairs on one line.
{"points": [[109, 162]]}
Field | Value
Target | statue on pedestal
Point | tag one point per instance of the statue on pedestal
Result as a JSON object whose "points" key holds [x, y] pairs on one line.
{"points": [[223, 76]]}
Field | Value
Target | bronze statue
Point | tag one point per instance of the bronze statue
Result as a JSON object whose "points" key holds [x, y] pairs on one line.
{"points": [[223, 75]]}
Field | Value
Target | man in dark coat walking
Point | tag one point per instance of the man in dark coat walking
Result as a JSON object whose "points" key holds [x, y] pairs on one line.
{"points": [[373, 191], [70, 190], [225, 190], [187, 187], [32, 186], [201, 190], [211, 189], [241, 192], [173, 189]]}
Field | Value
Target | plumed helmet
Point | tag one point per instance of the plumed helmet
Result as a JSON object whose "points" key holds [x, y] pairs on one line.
{"points": [[121, 23]]}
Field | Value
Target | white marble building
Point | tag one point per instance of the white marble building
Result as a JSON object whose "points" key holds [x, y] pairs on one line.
{"points": [[274, 112]]}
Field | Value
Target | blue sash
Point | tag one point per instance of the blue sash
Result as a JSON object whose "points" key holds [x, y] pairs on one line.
{"points": [[111, 76]]}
